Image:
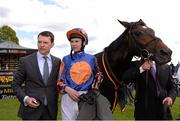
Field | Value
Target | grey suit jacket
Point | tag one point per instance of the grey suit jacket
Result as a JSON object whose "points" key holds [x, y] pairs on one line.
{"points": [[28, 74]]}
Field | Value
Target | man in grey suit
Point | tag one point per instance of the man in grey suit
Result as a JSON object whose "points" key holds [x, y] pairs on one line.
{"points": [[38, 73]]}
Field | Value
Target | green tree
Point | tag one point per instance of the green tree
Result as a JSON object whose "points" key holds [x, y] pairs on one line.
{"points": [[7, 33]]}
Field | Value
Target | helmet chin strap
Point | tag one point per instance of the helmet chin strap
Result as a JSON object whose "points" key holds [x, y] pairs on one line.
{"points": [[71, 54], [81, 50]]}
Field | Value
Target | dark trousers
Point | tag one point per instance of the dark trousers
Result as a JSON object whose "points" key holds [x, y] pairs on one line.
{"points": [[45, 114]]}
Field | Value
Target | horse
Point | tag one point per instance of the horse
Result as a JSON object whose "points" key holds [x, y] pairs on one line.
{"points": [[136, 40]]}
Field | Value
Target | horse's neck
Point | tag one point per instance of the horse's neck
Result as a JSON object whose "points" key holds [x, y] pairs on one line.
{"points": [[118, 52], [118, 60]]}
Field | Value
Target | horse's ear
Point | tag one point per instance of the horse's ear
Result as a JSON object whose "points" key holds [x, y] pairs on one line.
{"points": [[142, 22], [125, 24]]}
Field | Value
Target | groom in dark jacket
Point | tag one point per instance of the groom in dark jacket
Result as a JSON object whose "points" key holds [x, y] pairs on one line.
{"points": [[155, 90]]}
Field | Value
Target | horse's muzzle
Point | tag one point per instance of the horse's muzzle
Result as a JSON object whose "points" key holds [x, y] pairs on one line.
{"points": [[163, 56]]}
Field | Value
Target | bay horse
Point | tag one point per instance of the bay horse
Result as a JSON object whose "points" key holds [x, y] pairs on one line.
{"points": [[116, 57]]}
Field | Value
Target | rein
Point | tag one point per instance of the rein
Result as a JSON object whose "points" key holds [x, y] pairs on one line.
{"points": [[110, 70], [112, 78]]}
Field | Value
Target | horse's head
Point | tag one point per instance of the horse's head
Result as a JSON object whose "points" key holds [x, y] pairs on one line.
{"points": [[144, 43]]}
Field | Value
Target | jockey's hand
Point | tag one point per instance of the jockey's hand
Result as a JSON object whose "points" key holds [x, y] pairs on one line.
{"points": [[167, 101], [72, 93]]}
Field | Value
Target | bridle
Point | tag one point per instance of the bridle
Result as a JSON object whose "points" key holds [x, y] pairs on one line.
{"points": [[141, 49]]}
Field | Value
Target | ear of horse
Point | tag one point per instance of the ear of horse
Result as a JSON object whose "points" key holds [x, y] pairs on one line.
{"points": [[142, 22], [125, 24]]}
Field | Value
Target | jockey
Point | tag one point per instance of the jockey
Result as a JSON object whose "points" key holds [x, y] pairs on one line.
{"points": [[78, 71]]}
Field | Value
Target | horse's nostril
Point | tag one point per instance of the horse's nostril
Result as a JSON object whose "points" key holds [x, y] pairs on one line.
{"points": [[165, 52], [162, 52]]}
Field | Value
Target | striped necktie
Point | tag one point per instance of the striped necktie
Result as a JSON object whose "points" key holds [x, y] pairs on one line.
{"points": [[45, 70], [153, 72], [45, 75]]}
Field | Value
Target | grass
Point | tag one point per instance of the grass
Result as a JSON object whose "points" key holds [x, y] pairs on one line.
{"points": [[9, 108]]}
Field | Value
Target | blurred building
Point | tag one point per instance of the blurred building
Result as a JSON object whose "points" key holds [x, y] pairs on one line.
{"points": [[10, 53]]}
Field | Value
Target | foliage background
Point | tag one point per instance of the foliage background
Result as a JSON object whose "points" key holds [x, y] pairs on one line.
{"points": [[7, 33]]}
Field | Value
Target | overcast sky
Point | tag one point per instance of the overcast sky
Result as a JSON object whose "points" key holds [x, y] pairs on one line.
{"points": [[97, 17]]}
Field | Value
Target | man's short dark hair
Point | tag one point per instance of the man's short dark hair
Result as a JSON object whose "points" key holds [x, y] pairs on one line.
{"points": [[47, 34]]}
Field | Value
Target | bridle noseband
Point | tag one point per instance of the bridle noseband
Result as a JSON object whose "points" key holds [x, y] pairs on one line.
{"points": [[142, 49]]}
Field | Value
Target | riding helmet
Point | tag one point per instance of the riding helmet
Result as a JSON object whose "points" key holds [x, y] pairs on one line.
{"points": [[77, 33]]}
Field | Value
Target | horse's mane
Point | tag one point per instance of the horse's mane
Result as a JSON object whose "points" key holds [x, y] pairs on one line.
{"points": [[119, 50], [122, 40], [116, 44]]}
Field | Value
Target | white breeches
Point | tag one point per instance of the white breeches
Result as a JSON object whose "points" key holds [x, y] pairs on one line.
{"points": [[69, 108]]}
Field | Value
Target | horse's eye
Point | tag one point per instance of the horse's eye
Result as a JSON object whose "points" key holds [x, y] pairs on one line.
{"points": [[138, 33]]}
